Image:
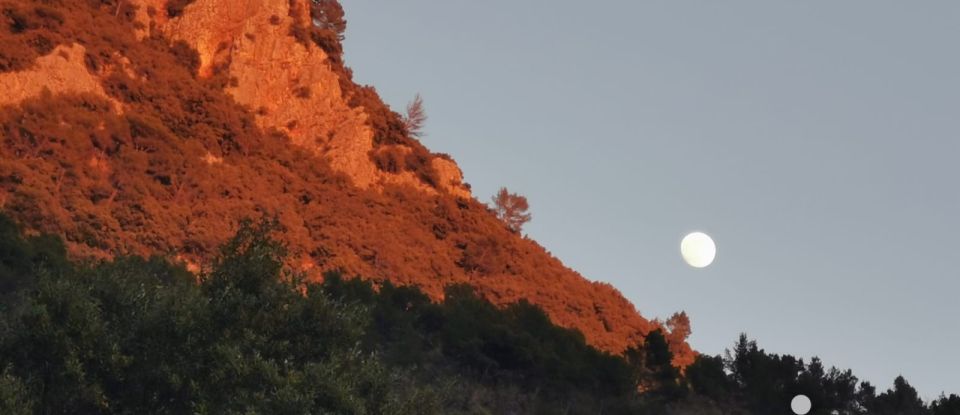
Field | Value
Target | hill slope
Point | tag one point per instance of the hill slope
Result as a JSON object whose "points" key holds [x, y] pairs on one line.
{"points": [[144, 127]]}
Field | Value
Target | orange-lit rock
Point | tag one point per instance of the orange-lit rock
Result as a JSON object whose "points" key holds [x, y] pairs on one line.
{"points": [[290, 85], [62, 71], [140, 172]]}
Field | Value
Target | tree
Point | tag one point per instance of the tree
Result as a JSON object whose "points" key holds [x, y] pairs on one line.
{"points": [[706, 376], [328, 27], [328, 15], [679, 326], [15, 398], [653, 368], [903, 399], [511, 208], [946, 405], [416, 117]]}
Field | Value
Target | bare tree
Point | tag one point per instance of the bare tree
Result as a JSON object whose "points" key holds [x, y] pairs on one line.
{"points": [[416, 117], [511, 208]]}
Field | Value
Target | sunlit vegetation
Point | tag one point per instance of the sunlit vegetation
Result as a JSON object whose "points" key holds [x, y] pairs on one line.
{"points": [[416, 117], [136, 335], [175, 7], [174, 175], [512, 209], [26, 34], [391, 130], [177, 170], [143, 336], [329, 24]]}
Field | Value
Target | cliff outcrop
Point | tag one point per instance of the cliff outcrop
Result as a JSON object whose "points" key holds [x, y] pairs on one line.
{"points": [[145, 127]]}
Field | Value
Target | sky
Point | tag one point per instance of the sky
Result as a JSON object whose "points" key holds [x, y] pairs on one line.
{"points": [[817, 142]]}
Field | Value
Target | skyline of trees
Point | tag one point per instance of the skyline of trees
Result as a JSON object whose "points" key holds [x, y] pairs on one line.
{"points": [[135, 335]]}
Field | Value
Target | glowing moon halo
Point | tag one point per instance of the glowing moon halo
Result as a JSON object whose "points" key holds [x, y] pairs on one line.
{"points": [[698, 249]]}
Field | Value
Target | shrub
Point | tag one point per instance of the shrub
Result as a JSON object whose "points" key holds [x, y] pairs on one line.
{"points": [[175, 7]]}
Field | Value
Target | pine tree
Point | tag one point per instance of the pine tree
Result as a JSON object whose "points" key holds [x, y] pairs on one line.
{"points": [[511, 208]]}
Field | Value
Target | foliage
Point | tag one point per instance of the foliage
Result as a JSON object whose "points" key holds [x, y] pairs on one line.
{"points": [[511, 208], [178, 169], [175, 7], [27, 33], [328, 14], [469, 338], [137, 335], [658, 377], [322, 23], [415, 117], [20, 257], [142, 336], [946, 405], [15, 399], [903, 399]]}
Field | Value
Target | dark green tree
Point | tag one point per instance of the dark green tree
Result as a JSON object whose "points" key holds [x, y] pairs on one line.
{"points": [[706, 377], [902, 399], [946, 405]]}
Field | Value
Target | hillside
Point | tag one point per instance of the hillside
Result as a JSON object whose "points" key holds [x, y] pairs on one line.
{"points": [[152, 127], [137, 336]]}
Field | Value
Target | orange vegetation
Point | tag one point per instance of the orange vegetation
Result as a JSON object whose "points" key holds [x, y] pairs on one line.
{"points": [[223, 111]]}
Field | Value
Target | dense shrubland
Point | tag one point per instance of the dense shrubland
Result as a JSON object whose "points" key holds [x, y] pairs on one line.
{"points": [[137, 335], [183, 163]]}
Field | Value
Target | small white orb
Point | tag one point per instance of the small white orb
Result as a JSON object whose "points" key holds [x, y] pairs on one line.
{"points": [[800, 404], [698, 249]]}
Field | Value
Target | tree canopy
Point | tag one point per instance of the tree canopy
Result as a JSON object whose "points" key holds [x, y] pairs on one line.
{"points": [[142, 335], [511, 208]]}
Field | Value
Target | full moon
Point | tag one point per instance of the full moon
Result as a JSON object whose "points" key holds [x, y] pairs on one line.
{"points": [[801, 404], [698, 249]]}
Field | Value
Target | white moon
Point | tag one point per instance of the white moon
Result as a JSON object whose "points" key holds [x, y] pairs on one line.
{"points": [[698, 249], [800, 404]]}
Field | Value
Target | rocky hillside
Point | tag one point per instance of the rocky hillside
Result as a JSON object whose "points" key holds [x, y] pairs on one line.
{"points": [[154, 127]]}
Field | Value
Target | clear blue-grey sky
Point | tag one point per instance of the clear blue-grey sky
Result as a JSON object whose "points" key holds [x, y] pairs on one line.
{"points": [[816, 141]]}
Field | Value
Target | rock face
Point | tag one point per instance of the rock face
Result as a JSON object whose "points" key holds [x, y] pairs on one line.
{"points": [[291, 85], [164, 127], [62, 71]]}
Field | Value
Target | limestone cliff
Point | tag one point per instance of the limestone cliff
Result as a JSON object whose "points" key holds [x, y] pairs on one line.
{"points": [[291, 85], [146, 127]]}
